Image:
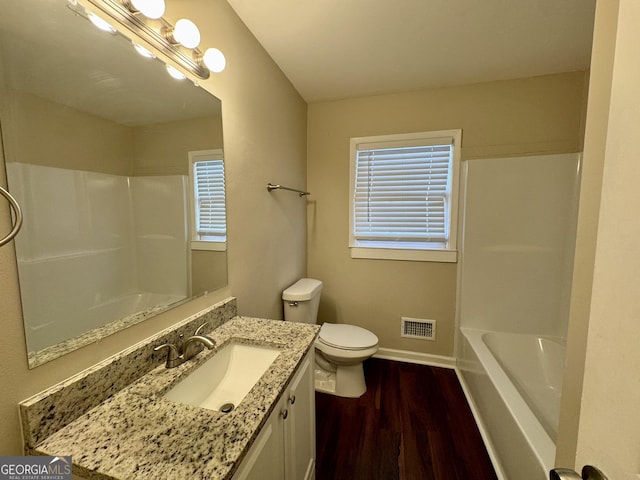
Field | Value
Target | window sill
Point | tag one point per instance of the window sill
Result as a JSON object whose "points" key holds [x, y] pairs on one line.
{"points": [[444, 256], [211, 246]]}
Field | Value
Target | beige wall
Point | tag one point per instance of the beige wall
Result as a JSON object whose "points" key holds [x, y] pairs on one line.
{"points": [[39, 130], [528, 116], [600, 84], [208, 271], [161, 149], [603, 358], [265, 140]]}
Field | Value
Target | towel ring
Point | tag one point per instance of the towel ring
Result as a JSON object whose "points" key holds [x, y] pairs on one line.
{"points": [[18, 223]]}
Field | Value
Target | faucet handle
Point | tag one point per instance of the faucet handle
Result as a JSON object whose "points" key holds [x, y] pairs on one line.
{"points": [[172, 355], [199, 329]]}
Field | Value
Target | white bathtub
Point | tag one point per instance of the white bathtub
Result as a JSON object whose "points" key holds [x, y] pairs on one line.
{"points": [[140, 303], [88, 323], [513, 382]]}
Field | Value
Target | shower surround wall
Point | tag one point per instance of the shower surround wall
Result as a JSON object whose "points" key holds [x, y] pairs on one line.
{"points": [[81, 221], [518, 238]]}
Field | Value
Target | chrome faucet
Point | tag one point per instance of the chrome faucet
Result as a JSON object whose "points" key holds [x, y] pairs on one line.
{"points": [[178, 355]]}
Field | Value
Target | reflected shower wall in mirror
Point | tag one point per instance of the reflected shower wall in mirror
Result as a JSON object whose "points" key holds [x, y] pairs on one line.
{"points": [[96, 144]]}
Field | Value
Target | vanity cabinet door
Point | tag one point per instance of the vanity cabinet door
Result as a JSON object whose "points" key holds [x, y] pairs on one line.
{"points": [[300, 424], [265, 460]]}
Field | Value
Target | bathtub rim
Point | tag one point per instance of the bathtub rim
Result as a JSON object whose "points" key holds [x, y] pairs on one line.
{"points": [[39, 357], [535, 435]]}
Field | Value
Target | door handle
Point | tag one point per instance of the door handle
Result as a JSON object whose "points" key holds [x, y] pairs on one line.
{"points": [[564, 474], [592, 473], [588, 473]]}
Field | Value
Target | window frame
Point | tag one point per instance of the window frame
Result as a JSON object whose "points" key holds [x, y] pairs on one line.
{"points": [[213, 243], [423, 252]]}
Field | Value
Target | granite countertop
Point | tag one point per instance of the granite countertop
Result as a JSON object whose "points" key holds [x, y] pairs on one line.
{"points": [[138, 434]]}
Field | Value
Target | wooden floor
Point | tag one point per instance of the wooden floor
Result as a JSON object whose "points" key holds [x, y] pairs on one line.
{"points": [[413, 423]]}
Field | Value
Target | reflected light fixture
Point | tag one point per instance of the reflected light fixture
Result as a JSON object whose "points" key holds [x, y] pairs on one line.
{"points": [[175, 73], [144, 19], [143, 51], [101, 23]]}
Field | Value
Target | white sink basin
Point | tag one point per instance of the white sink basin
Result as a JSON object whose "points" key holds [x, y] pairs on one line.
{"points": [[225, 378]]}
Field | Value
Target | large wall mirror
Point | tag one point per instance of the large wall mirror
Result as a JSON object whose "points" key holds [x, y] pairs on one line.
{"points": [[97, 142]]}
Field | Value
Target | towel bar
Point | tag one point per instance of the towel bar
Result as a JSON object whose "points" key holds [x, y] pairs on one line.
{"points": [[18, 223], [300, 193]]}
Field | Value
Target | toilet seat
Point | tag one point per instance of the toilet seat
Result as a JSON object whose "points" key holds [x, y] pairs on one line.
{"points": [[347, 337]]}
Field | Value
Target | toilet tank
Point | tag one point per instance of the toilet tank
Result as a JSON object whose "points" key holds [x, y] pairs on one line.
{"points": [[301, 301]]}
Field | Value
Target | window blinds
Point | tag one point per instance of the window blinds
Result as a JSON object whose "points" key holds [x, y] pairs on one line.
{"points": [[211, 216], [402, 193]]}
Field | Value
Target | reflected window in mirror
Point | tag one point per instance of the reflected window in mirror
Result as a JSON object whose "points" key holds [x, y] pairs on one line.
{"points": [[208, 205]]}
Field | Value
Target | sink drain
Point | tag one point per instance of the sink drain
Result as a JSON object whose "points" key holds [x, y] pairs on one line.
{"points": [[227, 407]]}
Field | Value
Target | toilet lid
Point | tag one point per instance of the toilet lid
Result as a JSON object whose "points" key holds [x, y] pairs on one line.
{"points": [[347, 337]]}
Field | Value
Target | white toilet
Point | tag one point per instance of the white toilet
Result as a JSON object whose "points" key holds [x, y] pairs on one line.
{"points": [[340, 348]]}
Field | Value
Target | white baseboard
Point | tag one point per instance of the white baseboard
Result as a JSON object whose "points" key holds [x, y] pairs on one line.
{"points": [[416, 357]]}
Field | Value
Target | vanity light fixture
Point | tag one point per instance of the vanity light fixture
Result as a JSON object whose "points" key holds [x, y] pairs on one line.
{"points": [[214, 60], [153, 9], [185, 33], [144, 19]]}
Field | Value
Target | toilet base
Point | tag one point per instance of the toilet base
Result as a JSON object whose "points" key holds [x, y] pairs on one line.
{"points": [[325, 382], [347, 381]]}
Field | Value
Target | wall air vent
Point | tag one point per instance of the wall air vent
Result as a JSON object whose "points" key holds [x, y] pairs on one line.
{"points": [[418, 328]]}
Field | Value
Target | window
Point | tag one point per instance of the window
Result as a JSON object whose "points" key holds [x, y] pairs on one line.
{"points": [[404, 192], [208, 211]]}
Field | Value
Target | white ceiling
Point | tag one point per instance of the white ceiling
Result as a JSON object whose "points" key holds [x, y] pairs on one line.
{"points": [[333, 49]]}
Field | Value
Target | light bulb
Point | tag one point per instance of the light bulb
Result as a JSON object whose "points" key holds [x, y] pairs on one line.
{"points": [[186, 33], [143, 51], [214, 60], [100, 23], [175, 73], [153, 9]]}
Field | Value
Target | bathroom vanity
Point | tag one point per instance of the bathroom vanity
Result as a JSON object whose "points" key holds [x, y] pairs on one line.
{"points": [[139, 433], [289, 434]]}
